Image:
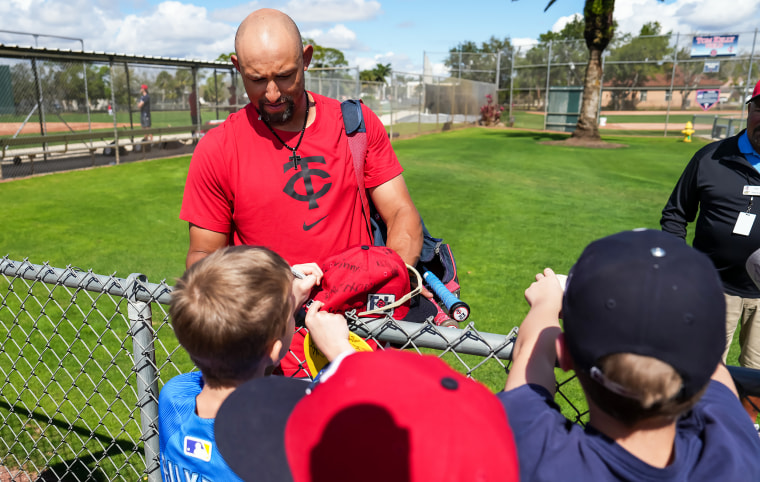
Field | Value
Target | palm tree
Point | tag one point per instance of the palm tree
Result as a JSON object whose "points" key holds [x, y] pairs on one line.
{"points": [[598, 31]]}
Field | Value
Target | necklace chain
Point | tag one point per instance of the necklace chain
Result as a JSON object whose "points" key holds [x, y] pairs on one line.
{"points": [[295, 157]]}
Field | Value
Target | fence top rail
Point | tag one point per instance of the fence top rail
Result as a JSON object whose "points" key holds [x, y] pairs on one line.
{"points": [[16, 51], [87, 136], [35, 140], [137, 288]]}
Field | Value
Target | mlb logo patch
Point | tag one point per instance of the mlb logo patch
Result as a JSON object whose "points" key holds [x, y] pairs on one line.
{"points": [[379, 301], [198, 448]]}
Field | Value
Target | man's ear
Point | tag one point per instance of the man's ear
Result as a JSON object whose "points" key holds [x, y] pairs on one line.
{"points": [[235, 62], [308, 52], [563, 354]]}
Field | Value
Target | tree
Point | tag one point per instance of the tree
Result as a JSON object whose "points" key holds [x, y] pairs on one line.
{"points": [[325, 57], [598, 30], [567, 60], [626, 77], [470, 61], [376, 74], [599, 27], [225, 57]]}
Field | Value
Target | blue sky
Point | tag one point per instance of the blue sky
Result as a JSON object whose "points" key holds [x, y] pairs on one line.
{"points": [[366, 31]]}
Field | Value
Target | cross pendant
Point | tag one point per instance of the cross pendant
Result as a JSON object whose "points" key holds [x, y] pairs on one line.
{"points": [[296, 159]]}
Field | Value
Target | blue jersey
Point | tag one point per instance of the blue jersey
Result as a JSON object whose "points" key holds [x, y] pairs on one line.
{"points": [[714, 441], [188, 450]]}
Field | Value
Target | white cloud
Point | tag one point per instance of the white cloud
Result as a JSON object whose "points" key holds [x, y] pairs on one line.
{"points": [[339, 37], [174, 29], [689, 16], [523, 43], [57, 17], [235, 14], [562, 21], [324, 11], [366, 63], [170, 29]]}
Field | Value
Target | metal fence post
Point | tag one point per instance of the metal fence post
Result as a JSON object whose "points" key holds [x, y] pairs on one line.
{"points": [[672, 79], [511, 84], [141, 329], [748, 87], [548, 79]]}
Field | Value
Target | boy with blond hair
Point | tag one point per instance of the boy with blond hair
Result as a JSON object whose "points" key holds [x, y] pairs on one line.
{"points": [[643, 317], [233, 313]]}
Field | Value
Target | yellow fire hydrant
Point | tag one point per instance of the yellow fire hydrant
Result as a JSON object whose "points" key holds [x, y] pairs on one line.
{"points": [[687, 131]]}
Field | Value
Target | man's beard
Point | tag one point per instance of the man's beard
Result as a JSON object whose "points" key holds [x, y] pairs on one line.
{"points": [[278, 118]]}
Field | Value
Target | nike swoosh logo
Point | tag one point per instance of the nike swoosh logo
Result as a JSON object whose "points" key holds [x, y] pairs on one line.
{"points": [[307, 227]]}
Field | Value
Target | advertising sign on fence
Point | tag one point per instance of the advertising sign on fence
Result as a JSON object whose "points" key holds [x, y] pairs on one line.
{"points": [[708, 98], [714, 45], [711, 66]]}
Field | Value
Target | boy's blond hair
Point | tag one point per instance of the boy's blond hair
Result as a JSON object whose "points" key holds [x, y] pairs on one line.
{"points": [[229, 308], [650, 389]]}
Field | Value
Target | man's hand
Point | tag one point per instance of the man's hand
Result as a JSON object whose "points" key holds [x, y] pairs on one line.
{"points": [[329, 331], [303, 286]]}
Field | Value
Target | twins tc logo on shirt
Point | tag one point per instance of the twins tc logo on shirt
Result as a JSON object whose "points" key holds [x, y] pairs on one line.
{"points": [[197, 448]]}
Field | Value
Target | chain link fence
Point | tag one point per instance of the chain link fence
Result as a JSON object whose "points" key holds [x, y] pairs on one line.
{"points": [[62, 110], [85, 355], [649, 85]]}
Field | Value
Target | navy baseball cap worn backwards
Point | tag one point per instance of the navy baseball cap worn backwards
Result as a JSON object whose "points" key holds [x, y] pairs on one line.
{"points": [[647, 293]]}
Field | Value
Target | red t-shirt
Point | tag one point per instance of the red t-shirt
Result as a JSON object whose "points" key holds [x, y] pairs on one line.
{"points": [[241, 181]]}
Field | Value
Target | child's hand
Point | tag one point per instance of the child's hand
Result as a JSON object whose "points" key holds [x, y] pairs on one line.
{"points": [[547, 289], [329, 331], [302, 286]]}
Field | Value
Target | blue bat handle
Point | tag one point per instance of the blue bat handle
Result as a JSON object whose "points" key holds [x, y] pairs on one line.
{"points": [[458, 309]]}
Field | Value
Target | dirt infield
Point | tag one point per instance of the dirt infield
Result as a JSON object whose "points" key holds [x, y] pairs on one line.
{"points": [[642, 126], [10, 128]]}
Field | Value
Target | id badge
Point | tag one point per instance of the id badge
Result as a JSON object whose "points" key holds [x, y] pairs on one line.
{"points": [[744, 223]]}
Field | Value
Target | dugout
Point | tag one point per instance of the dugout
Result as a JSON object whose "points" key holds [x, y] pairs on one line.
{"points": [[563, 108]]}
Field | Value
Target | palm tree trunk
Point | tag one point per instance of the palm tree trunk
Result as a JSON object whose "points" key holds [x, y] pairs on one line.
{"points": [[587, 127]]}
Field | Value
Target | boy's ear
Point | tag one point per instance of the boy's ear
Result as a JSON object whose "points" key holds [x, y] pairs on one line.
{"points": [[563, 354], [275, 352]]}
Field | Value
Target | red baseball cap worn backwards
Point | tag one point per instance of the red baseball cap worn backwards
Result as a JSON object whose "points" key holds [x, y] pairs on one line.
{"points": [[373, 416], [144, 87]]}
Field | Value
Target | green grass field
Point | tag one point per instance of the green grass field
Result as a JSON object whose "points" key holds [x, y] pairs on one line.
{"points": [[508, 205]]}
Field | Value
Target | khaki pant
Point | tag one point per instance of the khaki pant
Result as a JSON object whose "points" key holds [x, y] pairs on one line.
{"points": [[746, 310]]}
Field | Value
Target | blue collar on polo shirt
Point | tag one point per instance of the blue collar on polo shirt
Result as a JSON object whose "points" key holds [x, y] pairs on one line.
{"points": [[749, 152]]}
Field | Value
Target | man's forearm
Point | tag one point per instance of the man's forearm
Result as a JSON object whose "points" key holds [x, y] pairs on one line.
{"points": [[405, 235]]}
